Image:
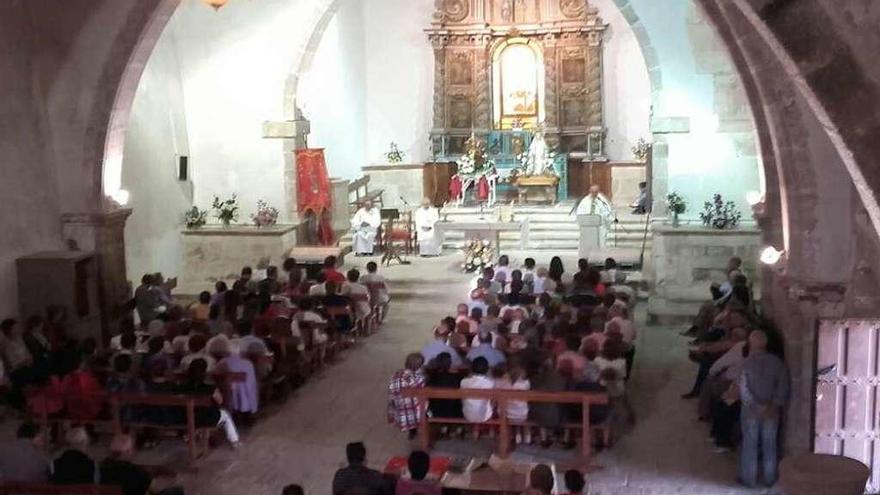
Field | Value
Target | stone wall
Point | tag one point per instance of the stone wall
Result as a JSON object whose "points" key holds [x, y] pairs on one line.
{"points": [[687, 260], [218, 253], [398, 181]]}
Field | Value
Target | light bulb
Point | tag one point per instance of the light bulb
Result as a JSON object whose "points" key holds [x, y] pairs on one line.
{"points": [[754, 198], [770, 255]]}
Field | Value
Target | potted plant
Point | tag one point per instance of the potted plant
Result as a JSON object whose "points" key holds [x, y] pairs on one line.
{"points": [[720, 214], [226, 210], [677, 205], [195, 218], [266, 215]]}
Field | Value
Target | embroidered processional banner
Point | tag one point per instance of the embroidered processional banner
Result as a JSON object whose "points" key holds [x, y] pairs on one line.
{"points": [[313, 191]]}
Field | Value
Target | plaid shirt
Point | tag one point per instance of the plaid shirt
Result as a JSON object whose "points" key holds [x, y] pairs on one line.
{"points": [[404, 411]]}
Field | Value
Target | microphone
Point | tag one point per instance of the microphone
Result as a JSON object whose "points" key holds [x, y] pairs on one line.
{"points": [[404, 201]]}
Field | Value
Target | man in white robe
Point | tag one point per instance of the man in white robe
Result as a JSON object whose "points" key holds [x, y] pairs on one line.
{"points": [[425, 217], [365, 225], [596, 203]]}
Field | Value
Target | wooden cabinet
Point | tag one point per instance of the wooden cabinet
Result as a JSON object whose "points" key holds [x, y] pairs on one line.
{"points": [[582, 174], [435, 181], [61, 278]]}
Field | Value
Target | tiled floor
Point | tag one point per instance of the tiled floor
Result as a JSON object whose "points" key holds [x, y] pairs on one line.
{"points": [[303, 442]]}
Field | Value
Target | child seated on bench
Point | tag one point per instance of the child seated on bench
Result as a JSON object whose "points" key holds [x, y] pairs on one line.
{"points": [[478, 410], [517, 411]]}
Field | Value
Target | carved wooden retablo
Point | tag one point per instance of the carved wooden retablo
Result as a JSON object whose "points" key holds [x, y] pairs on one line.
{"points": [[475, 92]]}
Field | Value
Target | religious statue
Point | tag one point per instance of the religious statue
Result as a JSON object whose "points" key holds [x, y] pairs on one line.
{"points": [[539, 159]]}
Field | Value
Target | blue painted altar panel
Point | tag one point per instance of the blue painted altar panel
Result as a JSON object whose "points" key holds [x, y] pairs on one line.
{"points": [[503, 148]]}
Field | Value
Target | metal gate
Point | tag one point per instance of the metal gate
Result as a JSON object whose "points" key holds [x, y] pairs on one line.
{"points": [[847, 401]]}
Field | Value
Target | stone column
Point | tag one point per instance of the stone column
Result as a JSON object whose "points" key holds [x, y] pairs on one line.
{"points": [[551, 83], [294, 134], [103, 233]]}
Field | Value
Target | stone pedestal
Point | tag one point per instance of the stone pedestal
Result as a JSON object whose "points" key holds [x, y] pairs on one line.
{"points": [[215, 253], [104, 233], [687, 260], [341, 214], [591, 234]]}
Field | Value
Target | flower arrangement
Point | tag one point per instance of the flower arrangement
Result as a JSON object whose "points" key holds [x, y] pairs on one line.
{"points": [[475, 159], [226, 210], [640, 150], [195, 217], [676, 203], [478, 255], [265, 215], [394, 156], [719, 214]]}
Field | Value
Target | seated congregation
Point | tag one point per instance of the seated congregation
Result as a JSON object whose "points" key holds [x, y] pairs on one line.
{"points": [[183, 370], [529, 329]]}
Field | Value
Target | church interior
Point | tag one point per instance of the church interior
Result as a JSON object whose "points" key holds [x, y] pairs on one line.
{"points": [[451, 246]]}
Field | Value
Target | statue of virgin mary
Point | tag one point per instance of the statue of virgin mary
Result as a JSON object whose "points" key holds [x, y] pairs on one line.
{"points": [[538, 160]]}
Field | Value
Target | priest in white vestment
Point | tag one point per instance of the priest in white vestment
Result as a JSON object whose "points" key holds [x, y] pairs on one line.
{"points": [[596, 203], [425, 217], [365, 224]]}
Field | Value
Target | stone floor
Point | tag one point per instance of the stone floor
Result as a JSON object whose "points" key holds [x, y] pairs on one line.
{"points": [[303, 441]]}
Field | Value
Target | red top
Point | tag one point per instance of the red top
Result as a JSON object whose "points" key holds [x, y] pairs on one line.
{"points": [[333, 275]]}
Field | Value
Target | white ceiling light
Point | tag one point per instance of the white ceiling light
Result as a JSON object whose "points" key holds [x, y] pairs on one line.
{"points": [[754, 198], [770, 255]]}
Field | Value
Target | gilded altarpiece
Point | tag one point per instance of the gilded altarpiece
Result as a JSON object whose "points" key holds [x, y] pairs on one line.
{"points": [[467, 36]]}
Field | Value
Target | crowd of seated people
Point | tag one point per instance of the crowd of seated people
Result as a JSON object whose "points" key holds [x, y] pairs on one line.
{"points": [[23, 461], [227, 345], [741, 378], [573, 333], [418, 478]]}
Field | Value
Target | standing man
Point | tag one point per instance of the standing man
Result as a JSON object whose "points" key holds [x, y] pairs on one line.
{"points": [[425, 217], [365, 224], [764, 389], [595, 203]]}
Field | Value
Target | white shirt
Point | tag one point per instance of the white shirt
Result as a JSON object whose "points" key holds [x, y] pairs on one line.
{"points": [[477, 410], [516, 410], [627, 329], [598, 205]]}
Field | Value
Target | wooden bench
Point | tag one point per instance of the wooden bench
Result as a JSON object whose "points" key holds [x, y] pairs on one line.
{"points": [[354, 188], [116, 401], [501, 398], [38, 489]]}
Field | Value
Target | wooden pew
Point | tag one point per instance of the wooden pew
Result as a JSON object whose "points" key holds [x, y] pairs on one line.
{"points": [[501, 398], [116, 401], [354, 188], [37, 489]]}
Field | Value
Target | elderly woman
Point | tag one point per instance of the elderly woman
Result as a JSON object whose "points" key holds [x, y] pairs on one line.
{"points": [[404, 411], [240, 396]]}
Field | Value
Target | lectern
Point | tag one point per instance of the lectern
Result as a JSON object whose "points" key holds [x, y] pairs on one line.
{"points": [[591, 234]]}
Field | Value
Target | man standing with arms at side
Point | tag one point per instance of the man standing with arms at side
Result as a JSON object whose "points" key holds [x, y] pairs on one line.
{"points": [[764, 390]]}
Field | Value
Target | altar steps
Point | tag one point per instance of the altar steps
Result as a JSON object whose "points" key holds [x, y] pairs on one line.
{"points": [[551, 228]]}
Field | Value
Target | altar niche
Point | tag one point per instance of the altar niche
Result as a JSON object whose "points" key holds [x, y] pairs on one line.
{"points": [[510, 65]]}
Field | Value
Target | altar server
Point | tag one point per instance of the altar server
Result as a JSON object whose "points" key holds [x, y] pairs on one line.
{"points": [[365, 224], [425, 217]]}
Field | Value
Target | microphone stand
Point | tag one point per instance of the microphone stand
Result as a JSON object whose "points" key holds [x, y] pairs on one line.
{"points": [[404, 260]]}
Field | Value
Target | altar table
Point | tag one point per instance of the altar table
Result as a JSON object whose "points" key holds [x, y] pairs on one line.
{"points": [[485, 229]]}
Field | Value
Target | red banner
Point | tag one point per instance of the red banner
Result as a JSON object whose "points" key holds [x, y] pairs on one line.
{"points": [[312, 182]]}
